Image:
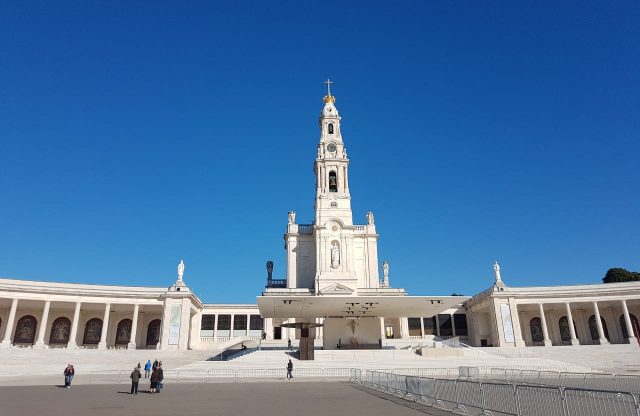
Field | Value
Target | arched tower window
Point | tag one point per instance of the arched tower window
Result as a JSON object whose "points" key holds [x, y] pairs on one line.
{"points": [[330, 128], [333, 182]]}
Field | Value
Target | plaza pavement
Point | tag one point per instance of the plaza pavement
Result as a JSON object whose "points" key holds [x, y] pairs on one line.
{"points": [[268, 399]]}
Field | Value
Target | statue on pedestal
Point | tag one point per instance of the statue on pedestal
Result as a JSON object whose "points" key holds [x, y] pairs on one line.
{"points": [[180, 269], [335, 256], [292, 217], [370, 218], [269, 270], [385, 274]]}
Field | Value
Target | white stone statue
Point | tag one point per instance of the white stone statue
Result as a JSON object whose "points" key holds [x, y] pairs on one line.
{"points": [[180, 269], [292, 217], [335, 256], [496, 272], [385, 274], [370, 218]]}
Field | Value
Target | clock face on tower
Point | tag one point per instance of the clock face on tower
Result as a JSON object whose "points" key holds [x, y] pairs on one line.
{"points": [[331, 147]]}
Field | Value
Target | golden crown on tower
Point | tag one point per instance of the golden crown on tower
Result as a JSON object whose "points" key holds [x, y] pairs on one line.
{"points": [[329, 98]]}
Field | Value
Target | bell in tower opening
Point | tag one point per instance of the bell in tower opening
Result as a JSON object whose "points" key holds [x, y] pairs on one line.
{"points": [[333, 182]]}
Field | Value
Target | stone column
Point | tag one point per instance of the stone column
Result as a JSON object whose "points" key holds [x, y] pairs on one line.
{"points": [[6, 341], [515, 322], [248, 323], [105, 324], [232, 322], [627, 321], [545, 332], [596, 312], [382, 330], [43, 325], [437, 325], [134, 328], [572, 329], [421, 327], [453, 326], [74, 327], [215, 328], [404, 327]]}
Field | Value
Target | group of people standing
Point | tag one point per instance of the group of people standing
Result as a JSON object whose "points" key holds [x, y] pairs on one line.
{"points": [[153, 372]]}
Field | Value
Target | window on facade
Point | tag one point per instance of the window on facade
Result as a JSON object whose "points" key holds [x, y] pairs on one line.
{"points": [[333, 182], [414, 327], [429, 325], [446, 330], [240, 322], [224, 322], [255, 323], [535, 325], [460, 322], [208, 322], [593, 328], [330, 128]]}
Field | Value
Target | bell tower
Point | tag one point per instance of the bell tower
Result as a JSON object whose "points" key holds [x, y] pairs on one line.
{"points": [[333, 200]]}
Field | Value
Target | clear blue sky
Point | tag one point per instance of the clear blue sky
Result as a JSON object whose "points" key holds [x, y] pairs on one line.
{"points": [[133, 134]]}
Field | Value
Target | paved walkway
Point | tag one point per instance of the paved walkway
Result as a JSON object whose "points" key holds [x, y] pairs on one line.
{"points": [[250, 399]]}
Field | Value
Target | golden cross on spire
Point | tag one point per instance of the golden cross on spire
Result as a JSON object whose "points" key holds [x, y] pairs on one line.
{"points": [[328, 82]]}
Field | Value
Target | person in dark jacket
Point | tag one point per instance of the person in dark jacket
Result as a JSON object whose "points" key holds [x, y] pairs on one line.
{"points": [[155, 365], [69, 372], [289, 369], [135, 378], [160, 375], [154, 381]]}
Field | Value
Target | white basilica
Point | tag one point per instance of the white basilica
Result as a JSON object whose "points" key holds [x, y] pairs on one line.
{"points": [[332, 285]]}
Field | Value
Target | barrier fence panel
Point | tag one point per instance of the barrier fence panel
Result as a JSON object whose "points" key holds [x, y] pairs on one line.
{"points": [[595, 403], [539, 400], [499, 398], [469, 397], [446, 394]]}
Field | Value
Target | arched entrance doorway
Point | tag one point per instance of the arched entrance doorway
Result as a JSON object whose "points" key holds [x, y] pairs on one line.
{"points": [[60, 330], [153, 333], [634, 325], [593, 328], [123, 332], [25, 330]]}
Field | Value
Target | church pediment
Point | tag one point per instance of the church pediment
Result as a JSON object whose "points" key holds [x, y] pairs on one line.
{"points": [[337, 288]]}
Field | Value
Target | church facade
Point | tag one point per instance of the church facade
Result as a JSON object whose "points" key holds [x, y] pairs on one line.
{"points": [[332, 283]]}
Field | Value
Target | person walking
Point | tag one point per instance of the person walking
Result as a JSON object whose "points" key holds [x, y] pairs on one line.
{"points": [[289, 343], [147, 369], [69, 372], [155, 365], [160, 374], [154, 381], [135, 378], [289, 369]]}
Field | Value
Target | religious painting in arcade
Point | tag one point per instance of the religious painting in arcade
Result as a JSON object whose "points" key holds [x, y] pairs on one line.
{"points": [[123, 332], [25, 330], [92, 331], [153, 332], [60, 331]]}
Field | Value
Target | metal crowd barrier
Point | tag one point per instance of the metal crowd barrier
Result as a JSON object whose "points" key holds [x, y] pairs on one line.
{"points": [[490, 398], [596, 381], [223, 375]]}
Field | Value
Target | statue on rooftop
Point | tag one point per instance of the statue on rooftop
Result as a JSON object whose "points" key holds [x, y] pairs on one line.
{"points": [[292, 217], [180, 269], [385, 274], [370, 218], [269, 270]]}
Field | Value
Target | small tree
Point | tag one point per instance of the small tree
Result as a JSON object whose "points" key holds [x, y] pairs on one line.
{"points": [[618, 274], [456, 294]]}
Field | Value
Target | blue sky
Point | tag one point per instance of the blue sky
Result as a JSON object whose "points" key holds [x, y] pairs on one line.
{"points": [[133, 134]]}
